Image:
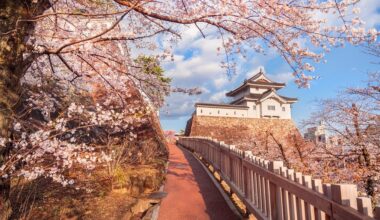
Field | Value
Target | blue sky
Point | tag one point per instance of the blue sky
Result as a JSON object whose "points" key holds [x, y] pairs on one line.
{"points": [[197, 65]]}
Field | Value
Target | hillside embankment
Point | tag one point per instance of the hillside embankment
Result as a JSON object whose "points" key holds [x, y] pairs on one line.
{"points": [[125, 190]]}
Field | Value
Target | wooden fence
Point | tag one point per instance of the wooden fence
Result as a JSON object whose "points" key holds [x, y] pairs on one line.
{"points": [[269, 190]]}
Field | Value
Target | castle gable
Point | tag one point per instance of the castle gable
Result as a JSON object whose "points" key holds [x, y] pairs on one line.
{"points": [[260, 77], [272, 94], [259, 81]]}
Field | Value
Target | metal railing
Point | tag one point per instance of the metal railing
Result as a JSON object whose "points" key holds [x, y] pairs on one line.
{"points": [[269, 190]]}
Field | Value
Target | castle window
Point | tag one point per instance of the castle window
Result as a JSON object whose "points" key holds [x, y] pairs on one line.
{"points": [[201, 111], [235, 112], [218, 112], [283, 109], [271, 107], [254, 107]]}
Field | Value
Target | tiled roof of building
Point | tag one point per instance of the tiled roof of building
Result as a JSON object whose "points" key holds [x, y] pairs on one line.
{"points": [[258, 80], [288, 98], [256, 97], [249, 83], [266, 83]]}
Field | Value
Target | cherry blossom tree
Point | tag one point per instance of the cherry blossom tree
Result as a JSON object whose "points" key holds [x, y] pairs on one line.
{"points": [[72, 100], [170, 136], [352, 150], [267, 24]]}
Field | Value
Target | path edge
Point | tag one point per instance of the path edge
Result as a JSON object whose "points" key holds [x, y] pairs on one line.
{"points": [[156, 210], [217, 185]]}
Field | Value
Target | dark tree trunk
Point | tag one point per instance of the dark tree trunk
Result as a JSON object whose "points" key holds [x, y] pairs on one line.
{"points": [[364, 158], [13, 34], [281, 148]]}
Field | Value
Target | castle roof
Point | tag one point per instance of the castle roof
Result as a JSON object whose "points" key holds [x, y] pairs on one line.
{"points": [[260, 80], [261, 97]]}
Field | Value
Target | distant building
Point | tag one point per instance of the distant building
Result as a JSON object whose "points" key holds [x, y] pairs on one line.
{"points": [[335, 140], [256, 98], [316, 134]]}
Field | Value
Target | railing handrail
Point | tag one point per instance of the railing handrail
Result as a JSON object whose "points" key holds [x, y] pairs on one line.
{"points": [[270, 190]]}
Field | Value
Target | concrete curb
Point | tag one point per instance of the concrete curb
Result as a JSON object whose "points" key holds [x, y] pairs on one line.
{"points": [[156, 210]]}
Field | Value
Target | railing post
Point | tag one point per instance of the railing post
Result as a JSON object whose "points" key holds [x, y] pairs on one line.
{"points": [[264, 192], [317, 186], [292, 197], [365, 206], [220, 155], [285, 196], [301, 211], [231, 164], [275, 193], [326, 187], [242, 174], [345, 194], [377, 213], [247, 175], [266, 195], [310, 212]]}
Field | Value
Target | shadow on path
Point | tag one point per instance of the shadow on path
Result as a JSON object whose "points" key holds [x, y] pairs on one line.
{"points": [[191, 193]]}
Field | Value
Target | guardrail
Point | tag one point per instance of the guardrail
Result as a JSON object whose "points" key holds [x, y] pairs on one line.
{"points": [[269, 190]]}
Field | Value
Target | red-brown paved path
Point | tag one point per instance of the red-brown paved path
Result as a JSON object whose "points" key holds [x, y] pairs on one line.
{"points": [[191, 193]]}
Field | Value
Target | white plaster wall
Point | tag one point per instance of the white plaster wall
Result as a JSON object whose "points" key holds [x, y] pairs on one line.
{"points": [[288, 111], [278, 112], [220, 112], [257, 90], [261, 110], [253, 113]]}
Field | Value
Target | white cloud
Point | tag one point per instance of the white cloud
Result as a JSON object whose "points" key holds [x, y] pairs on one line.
{"points": [[178, 105], [220, 82], [283, 77], [197, 69], [218, 97], [370, 12], [196, 64], [189, 34], [255, 71]]}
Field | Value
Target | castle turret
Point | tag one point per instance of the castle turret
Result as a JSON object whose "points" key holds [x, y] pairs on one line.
{"points": [[256, 98]]}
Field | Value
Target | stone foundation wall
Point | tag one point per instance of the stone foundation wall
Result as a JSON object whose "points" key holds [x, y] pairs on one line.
{"points": [[268, 138]]}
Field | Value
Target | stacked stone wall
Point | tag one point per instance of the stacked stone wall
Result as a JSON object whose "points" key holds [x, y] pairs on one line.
{"points": [[268, 138]]}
